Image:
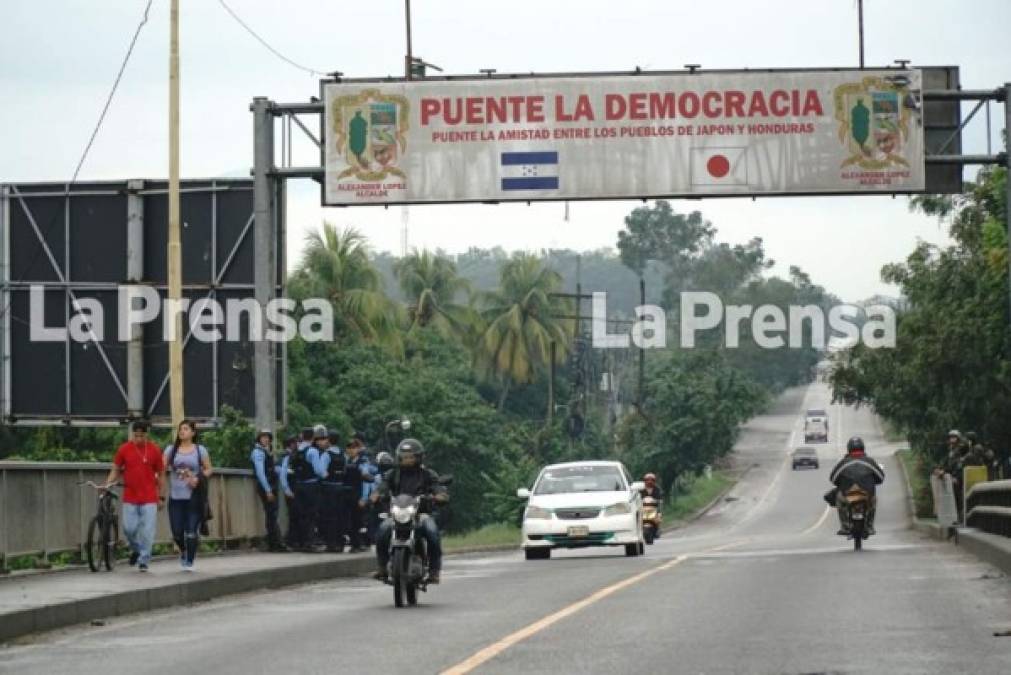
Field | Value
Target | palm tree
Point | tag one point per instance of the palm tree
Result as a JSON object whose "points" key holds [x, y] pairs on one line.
{"points": [[432, 286], [521, 322], [335, 265]]}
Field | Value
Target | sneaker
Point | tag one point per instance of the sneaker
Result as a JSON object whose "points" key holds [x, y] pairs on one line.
{"points": [[182, 563], [134, 557], [188, 567], [843, 531], [143, 567]]}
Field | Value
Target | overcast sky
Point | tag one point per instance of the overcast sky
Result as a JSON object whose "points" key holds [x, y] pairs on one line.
{"points": [[58, 59]]}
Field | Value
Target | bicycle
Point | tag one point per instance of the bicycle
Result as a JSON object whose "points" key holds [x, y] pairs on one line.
{"points": [[103, 531]]}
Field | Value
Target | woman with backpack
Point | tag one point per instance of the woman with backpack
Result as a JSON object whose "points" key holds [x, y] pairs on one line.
{"points": [[188, 465]]}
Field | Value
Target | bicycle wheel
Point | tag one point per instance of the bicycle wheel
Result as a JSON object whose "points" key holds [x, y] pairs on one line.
{"points": [[110, 536], [93, 545]]}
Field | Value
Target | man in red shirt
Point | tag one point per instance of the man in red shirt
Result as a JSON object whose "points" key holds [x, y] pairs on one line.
{"points": [[140, 464]]}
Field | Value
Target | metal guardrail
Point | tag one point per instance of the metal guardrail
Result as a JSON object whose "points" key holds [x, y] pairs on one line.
{"points": [[988, 507], [44, 511]]}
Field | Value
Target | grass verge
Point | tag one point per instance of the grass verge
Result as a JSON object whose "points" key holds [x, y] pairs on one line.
{"points": [[499, 534], [892, 433], [699, 493], [919, 482]]}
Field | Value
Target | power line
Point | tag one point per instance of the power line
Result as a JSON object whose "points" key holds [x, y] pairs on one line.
{"points": [[112, 92], [266, 44], [91, 140]]}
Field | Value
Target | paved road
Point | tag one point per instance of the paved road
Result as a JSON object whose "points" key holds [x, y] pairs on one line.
{"points": [[759, 585]]}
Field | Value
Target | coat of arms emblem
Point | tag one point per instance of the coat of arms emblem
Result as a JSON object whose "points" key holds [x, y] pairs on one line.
{"points": [[370, 132], [874, 123]]}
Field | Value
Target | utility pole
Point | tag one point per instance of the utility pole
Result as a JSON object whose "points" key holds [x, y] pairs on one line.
{"points": [[409, 59], [860, 19], [642, 352], [175, 292], [551, 382]]}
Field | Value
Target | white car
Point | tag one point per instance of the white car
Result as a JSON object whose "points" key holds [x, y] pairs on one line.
{"points": [[581, 504]]}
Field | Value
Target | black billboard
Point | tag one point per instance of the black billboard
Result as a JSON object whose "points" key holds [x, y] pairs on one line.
{"points": [[74, 246]]}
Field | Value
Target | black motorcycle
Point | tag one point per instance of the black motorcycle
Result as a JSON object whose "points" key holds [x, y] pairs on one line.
{"points": [[408, 566]]}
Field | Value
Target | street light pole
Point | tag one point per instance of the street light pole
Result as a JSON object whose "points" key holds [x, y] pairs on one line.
{"points": [[174, 244]]}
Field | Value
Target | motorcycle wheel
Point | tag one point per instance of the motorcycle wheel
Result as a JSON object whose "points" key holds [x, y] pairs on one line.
{"points": [[858, 535], [400, 582], [649, 534]]}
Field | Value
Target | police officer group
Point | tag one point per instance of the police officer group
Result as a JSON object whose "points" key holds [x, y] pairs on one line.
{"points": [[327, 489], [335, 494]]}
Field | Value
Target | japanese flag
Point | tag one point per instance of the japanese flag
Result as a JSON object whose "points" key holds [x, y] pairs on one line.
{"points": [[719, 166]]}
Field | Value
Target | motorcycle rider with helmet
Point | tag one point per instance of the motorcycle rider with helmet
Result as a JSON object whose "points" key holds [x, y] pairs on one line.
{"points": [[411, 476], [856, 468], [652, 489]]}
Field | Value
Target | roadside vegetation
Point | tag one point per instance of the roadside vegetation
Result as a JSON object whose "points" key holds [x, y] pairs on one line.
{"points": [[918, 471], [464, 346], [951, 368]]}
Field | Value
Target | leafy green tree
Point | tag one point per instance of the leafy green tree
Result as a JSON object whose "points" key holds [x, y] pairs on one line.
{"points": [[433, 289], [335, 265], [694, 405], [950, 367], [521, 322], [658, 233]]}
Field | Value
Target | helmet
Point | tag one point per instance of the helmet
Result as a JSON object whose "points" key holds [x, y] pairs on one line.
{"points": [[385, 461], [649, 477], [855, 443], [264, 432], [956, 433], [319, 431], [410, 447]]}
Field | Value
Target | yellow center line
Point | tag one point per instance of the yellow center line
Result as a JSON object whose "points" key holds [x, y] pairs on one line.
{"points": [[493, 650]]}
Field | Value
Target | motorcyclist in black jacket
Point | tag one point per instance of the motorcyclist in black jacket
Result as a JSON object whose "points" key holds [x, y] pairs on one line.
{"points": [[412, 477], [856, 468]]}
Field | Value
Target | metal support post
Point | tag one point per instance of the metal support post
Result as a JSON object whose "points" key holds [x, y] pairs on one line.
{"points": [[5, 304], [1007, 182], [135, 275], [263, 247]]}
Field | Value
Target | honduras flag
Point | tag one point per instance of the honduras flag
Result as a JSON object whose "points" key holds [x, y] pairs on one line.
{"points": [[530, 170]]}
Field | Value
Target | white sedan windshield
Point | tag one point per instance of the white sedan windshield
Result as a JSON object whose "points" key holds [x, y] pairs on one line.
{"points": [[580, 479]]}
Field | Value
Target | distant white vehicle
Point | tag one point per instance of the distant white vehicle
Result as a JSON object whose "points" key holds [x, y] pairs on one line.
{"points": [[816, 425], [580, 504]]}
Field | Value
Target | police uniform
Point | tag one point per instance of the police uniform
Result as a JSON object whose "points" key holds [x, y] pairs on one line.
{"points": [[267, 479]]}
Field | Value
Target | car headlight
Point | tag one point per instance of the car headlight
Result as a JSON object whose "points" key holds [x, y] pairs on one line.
{"points": [[536, 512], [402, 515], [618, 509]]}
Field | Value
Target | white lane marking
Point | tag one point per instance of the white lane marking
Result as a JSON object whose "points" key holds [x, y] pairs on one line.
{"points": [[883, 548], [824, 515]]}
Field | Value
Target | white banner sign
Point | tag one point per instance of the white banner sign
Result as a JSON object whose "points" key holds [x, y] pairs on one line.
{"points": [[613, 137]]}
